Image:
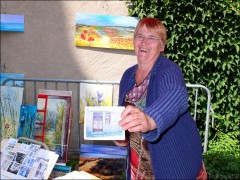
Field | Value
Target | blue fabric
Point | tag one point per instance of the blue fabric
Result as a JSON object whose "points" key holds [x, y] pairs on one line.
{"points": [[175, 146]]}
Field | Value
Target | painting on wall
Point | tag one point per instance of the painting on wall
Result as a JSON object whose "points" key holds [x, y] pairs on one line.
{"points": [[10, 103], [105, 31], [94, 95], [4, 76], [53, 121], [12, 22]]}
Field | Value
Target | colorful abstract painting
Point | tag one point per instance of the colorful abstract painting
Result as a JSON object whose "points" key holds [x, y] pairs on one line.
{"points": [[4, 76], [94, 95], [10, 103], [54, 120], [12, 22], [105, 31], [27, 121]]}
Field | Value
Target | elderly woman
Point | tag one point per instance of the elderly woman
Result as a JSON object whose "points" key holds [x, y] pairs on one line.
{"points": [[162, 137]]}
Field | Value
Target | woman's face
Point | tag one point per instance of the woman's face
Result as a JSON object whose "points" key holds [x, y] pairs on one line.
{"points": [[147, 45]]}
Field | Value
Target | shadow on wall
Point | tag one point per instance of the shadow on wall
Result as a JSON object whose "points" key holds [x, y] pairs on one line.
{"points": [[46, 48]]}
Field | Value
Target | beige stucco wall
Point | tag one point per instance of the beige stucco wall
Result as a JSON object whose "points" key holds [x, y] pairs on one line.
{"points": [[46, 47]]}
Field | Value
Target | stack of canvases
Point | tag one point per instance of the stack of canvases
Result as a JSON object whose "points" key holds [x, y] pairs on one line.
{"points": [[49, 121], [53, 122]]}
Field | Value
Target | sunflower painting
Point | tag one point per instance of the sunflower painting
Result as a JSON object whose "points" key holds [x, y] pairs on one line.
{"points": [[105, 31]]}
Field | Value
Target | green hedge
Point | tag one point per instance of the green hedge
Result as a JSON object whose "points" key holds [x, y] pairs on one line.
{"points": [[204, 39]]}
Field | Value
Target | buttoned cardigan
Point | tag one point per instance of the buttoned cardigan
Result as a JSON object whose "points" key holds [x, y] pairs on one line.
{"points": [[175, 145]]}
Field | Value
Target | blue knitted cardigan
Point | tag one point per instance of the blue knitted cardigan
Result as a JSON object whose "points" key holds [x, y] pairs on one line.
{"points": [[175, 146]]}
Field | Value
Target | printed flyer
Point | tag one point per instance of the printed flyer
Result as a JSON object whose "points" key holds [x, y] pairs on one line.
{"points": [[101, 123]]}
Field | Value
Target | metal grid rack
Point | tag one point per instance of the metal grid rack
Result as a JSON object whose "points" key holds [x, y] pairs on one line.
{"points": [[31, 86]]}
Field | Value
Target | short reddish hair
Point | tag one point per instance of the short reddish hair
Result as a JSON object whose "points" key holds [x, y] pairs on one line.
{"points": [[153, 24]]}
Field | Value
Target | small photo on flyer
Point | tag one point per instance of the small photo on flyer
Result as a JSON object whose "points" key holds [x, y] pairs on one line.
{"points": [[14, 167], [24, 171], [10, 144], [5, 163], [19, 157], [38, 174], [41, 170], [24, 148], [28, 161]]}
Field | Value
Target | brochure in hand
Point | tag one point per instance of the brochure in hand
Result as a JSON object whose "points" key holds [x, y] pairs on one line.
{"points": [[101, 123]]}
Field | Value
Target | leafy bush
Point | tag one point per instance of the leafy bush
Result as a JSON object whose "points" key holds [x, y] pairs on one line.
{"points": [[222, 160], [204, 40]]}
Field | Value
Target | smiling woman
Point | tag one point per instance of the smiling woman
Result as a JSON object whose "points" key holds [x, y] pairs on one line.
{"points": [[156, 117]]}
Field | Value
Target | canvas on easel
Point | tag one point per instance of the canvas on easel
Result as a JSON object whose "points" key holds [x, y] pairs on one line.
{"points": [[54, 121]]}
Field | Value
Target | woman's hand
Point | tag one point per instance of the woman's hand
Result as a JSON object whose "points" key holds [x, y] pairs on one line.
{"points": [[135, 120]]}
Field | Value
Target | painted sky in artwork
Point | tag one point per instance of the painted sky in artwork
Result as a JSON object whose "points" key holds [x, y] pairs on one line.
{"points": [[12, 22], [106, 20], [4, 76]]}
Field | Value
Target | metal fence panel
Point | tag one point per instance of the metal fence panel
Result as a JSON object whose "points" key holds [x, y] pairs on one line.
{"points": [[32, 85]]}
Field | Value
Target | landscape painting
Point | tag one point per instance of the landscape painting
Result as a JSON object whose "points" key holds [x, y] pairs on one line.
{"points": [[10, 103], [105, 31], [104, 162], [54, 120], [12, 22], [94, 95], [55, 124]]}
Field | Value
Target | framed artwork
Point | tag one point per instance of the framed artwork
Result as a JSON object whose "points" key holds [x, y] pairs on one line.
{"points": [[10, 103], [12, 22], [105, 31], [53, 121], [94, 95]]}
